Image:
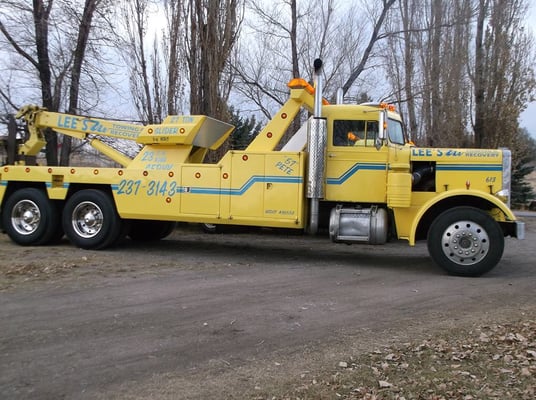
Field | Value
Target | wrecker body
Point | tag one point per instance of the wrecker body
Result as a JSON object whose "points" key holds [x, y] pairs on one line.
{"points": [[349, 173]]}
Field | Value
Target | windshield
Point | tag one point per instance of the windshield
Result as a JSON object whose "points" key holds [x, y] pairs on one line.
{"points": [[395, 132]]}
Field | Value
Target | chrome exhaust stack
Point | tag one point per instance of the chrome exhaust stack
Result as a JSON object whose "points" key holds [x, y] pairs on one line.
{"points": [[316, 147]]}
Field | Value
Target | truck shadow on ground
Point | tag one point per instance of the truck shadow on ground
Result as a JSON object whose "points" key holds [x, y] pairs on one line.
{"points": [[270, 248]]}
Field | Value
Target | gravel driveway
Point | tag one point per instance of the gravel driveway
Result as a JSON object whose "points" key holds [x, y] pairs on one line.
{"points": [[218, 316]]}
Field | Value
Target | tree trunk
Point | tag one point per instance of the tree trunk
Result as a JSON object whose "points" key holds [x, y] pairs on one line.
{"points": [[79, 54], [479, 74], [41, 14]]}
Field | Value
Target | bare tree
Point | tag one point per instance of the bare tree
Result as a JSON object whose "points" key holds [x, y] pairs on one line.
{"points": [[212, 33], [375, 36], [135, 14], [39, 58], [54, 51], [176, 29], [78, 58], [283, 38], [503, 71]]}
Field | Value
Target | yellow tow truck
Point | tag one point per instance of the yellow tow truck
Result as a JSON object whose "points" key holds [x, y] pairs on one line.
{"points": [[349, 173]]}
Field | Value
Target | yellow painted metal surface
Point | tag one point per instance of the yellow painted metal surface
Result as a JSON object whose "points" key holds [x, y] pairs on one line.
{"points": [[478, 169], [358, 170], [399, 189], [267, 187], [200, 189], [195, 130], [270, 136]]}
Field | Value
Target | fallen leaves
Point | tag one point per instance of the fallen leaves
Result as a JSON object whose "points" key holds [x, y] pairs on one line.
{"points": [[489, 362], [37, 269]]}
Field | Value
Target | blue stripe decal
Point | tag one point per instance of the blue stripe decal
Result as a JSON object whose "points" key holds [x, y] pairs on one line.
{"points": [[245, 187], [356, 167], [49, 185], [466, 167], [256, 179], [3, 183]]}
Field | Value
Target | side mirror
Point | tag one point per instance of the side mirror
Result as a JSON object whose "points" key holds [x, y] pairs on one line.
{"points": [[382, 129]]}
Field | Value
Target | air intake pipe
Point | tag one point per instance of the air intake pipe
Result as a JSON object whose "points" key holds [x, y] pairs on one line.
{"points": [[316, 148]]}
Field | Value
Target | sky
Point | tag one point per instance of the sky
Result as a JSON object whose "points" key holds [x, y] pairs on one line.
{"points": [[527, 119]]}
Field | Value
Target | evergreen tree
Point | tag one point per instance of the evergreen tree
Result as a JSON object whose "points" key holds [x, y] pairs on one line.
{"points": [[245, 130], [523, 163]]}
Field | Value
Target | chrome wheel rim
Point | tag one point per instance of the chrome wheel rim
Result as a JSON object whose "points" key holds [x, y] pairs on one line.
{"points": [[25, 217], [465, 242], [87, 219]]}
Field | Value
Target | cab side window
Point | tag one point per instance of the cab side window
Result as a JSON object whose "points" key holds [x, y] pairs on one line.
{"points": [[354, 132]]}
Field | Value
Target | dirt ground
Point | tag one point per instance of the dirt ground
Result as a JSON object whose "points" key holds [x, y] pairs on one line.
{"points": [[262, 315]]}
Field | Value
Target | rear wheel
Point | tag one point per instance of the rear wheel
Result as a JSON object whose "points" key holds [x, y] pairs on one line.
{"points": [[465, 241], [210, 228], [30, 218], [90, 220]]}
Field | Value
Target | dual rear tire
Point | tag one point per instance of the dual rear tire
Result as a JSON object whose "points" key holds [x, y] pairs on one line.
{"points": [[89, 220]]}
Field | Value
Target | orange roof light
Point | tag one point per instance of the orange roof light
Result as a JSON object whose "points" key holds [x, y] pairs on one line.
{"points": [[388, 107], [300, 83]]}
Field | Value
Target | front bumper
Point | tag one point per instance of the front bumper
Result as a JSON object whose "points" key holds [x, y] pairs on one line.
{"points": [[515, 229], [520, 230]]}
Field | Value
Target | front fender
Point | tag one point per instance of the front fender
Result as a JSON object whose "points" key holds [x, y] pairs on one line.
{"points": [[452, 194]]}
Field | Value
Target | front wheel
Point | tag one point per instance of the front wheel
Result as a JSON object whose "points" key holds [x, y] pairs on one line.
{"points": [[90, 220], [465, 241]]}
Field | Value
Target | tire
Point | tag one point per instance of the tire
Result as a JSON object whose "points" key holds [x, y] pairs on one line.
{"points": [[30, 218], [90, 220], [465, 241], [211, 228], [58, 233], [145, 230]]}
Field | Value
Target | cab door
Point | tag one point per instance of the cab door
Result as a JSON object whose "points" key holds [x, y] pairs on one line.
{"points": [[355, 170]]}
